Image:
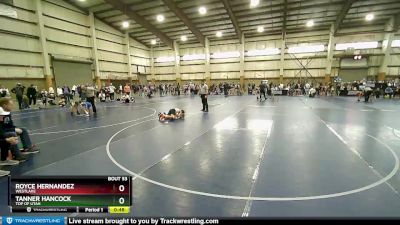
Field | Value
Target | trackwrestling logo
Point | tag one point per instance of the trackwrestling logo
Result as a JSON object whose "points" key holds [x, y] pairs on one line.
{"points": [[34, 220]]}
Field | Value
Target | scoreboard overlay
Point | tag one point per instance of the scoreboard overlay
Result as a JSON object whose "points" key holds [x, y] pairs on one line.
{"points": [[91, 194]]}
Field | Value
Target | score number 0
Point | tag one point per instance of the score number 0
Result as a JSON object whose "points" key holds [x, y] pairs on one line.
{"points": [[121, 200]]}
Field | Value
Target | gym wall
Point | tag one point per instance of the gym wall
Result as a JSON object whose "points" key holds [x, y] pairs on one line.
{"points": [[67, 31]]}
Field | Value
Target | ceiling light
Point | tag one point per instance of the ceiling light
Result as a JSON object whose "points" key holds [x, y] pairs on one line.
{"points": [[202, 10], [183, 38], [260, 29], [153, 42], [310, 23], [125, 24], [369, 17], [218, 34], [254, 3], [81, 0], [160, 18]]}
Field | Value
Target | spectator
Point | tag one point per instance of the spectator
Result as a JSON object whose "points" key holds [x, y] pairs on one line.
{"points": [[59, 92], [19, 93], [389, 91], [111, 88], [73, 90], [31, 93], [4, 91], [66, 92], [102, 96], [120, 89], [12, 131], [312, 92]]}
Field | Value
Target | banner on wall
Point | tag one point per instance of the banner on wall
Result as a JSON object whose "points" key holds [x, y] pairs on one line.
{"points": [[6, 10]]}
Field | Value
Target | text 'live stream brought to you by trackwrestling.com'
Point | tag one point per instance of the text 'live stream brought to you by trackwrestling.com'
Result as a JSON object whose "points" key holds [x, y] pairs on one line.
{"points": [[58, 220]]}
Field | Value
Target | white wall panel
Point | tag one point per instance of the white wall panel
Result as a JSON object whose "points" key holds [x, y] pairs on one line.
{"points": [[20, 58], [224, 48], [110, 66], [261, 74], [26, 15], [394, 71], [63, 49], [102, 26], [111, 46], [139, 52], [20, 72], [394, 60], [165, 77], [191, 51], [25, 4], [164, 70], [19, 43], [113, 75], [224, 67], [266, 65], [226, 75], [312, 63], [262, 45], [135, 43], [163, 64], [193, 76], [65, 14], [17, 26], [65, 25], [165, 53], [110, 56], [231, 60], [111, 37], [263, 58], [139, 61], [193, 69], [192, 62], [66, 37]]}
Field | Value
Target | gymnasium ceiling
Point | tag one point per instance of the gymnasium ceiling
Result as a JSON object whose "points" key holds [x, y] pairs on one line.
{"points": [[234, 17]]}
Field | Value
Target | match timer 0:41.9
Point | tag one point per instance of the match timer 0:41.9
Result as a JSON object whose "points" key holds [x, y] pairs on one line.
{"points": [[46, 194]]}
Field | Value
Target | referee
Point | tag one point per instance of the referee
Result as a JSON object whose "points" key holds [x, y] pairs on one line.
{"points": [[203, 95]]}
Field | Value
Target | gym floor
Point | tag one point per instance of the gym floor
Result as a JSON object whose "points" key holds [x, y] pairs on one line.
{"points": [[294, 157]]}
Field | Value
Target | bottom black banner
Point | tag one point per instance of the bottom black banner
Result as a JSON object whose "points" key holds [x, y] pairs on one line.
{"points": [[60, 220], [211, 221]]}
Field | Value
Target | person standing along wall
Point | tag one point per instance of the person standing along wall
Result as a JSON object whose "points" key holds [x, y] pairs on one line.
{"points": [[112, 91], [203, 95], [31, 93], [19, 93], [73, 91], [66, 92]]}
